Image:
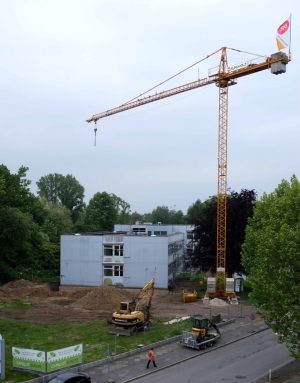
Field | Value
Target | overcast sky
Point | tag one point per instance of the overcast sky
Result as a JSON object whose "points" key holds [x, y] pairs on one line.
{"points": [[65, 60]]}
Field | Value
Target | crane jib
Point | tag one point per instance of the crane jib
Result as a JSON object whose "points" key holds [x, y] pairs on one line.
{"points": [[220, 78]]}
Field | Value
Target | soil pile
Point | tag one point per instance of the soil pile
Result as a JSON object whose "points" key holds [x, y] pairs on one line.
{"points": [[21, 289], [105, 298], [218, 302], [76, 294]]}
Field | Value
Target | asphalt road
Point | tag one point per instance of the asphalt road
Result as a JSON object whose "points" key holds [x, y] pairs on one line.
{"points": [[244, 361]]}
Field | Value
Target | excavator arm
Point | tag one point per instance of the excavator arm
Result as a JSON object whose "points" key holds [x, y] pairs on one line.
{"points": [[144, 297]]}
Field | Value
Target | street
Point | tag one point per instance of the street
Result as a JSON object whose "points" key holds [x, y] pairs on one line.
{"points": [[243, 361]]}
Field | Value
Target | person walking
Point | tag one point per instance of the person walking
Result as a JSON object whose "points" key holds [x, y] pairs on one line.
{"points": [[151, 357]]}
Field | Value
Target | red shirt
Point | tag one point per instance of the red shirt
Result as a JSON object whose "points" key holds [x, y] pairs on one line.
{"points": [[151, 355]]}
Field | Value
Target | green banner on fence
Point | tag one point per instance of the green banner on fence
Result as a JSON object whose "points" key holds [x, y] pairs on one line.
{"points": [[24, 358], [40, 361], [64, 357]]}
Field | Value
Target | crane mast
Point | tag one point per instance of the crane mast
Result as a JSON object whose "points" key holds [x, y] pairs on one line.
{"points": [[222, 175], [224, 78]]}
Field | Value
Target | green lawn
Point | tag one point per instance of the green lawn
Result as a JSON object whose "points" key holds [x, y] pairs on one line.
{"points": [[94, 336]]}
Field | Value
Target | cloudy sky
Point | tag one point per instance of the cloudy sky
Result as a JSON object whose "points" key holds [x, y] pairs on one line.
{"points": [[65, 60]]}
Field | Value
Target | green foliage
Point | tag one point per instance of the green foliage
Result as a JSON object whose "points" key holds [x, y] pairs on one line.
{"points": [[164, 215], [58, 221], [135, 217], [204, 217], [29, 230], [19, 236], [64, 190], [194, 212], [271, 255], [15, 305], [14, 189], [101, 212], [123, 209]]}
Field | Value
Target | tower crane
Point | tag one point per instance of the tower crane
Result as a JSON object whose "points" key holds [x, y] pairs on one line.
{"points": [[223, 78]]}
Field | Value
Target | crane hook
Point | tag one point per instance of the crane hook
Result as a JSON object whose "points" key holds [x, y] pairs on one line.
{"points": [[95, 133]]}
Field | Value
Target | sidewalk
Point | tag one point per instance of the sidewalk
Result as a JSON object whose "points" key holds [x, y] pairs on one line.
{"points": [[125, 368]]}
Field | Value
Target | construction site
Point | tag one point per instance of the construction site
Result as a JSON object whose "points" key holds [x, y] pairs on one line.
{"points": [[46, 304], [42, 303], [131, 310]]}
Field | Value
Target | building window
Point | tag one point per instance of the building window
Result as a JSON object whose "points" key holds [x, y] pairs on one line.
{"points": [[113, 271], [118, 271], [138, 230], [108, 271], [160, 232], [113, 250]]}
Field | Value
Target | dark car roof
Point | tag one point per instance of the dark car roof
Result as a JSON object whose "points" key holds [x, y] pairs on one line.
{"points": [[70, 375]]}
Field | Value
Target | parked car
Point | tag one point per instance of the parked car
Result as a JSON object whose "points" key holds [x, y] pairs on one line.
{"points": [[71, 377]]}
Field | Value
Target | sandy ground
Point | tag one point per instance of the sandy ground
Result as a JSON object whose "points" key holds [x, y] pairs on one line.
{"points": [[89, 304]]}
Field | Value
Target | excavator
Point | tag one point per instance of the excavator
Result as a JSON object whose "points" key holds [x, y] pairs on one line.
{"points": [[204, 333], [133, 315]]}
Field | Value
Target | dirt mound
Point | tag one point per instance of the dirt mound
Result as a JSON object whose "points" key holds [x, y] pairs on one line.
{"points": [[76, 294], [21, 289], [218, 302], [102, 298]]}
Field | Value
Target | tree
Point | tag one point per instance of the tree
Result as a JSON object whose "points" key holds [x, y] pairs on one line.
{"points": [[135, 217], [14, 189], [25, 247], [239, 209], [64, 190], [58, 221], [101, 213], [204, 254], [18, 239], [194, 212], [123, 209], [271, 256], [166, 216], [161, 214]]}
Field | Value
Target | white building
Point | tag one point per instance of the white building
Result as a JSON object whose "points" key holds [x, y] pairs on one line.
{"points": [[130, 256]]}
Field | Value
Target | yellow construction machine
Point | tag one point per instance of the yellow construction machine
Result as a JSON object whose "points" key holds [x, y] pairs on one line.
{"points": [[189, 297], [204, 333], [135, 314]]}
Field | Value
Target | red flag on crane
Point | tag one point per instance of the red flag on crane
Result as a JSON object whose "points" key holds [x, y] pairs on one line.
{"points": [[283, 35]]}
